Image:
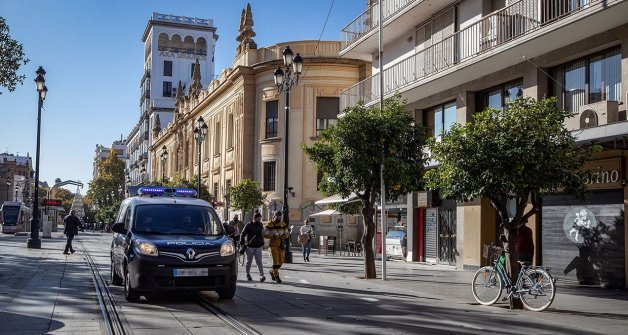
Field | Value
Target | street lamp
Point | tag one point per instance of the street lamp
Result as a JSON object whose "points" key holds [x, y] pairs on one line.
{"points": [[164, 157], [34, 241], [142, 174], [200, 131], [285, 80]]}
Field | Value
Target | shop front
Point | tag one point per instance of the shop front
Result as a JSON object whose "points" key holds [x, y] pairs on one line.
{"points": [[584, 240], [437, 229]]}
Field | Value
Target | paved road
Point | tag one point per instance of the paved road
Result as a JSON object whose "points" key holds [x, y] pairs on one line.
{"points": [[322, 297]]}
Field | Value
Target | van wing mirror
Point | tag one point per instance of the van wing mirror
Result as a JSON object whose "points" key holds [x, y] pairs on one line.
{"points": [[118, 227]]}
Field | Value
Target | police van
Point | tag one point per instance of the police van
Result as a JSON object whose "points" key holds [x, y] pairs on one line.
{"points": [[165, 239]]}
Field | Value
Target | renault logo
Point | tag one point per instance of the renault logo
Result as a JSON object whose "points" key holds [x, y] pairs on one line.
{"points": [[190, 253]]}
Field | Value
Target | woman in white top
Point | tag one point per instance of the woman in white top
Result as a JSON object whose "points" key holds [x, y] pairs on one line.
{"points": [[307, 247]]}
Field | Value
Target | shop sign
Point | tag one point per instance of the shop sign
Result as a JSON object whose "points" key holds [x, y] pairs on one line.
{"points": [[607, 174]]}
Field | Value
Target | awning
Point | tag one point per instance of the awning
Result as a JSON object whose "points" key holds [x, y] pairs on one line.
{"points": [[327, 212], [334, 199]]}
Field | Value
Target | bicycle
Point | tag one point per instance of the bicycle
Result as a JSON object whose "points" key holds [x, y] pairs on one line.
{"points": [[535, 286], [240, 257]]}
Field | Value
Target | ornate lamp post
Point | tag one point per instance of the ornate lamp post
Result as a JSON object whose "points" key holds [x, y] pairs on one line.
{"points": [[34, 241], [200, 131], [8, 186], [285, 80], [142, 174], [164, 158]]}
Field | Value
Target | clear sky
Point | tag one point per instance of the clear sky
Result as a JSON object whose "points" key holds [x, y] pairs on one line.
{"points": [[93, 55]]}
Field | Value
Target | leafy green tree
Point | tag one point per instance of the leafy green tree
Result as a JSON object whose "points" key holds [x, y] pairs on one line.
{"points": [[350, 156], [246, 196], [106, 190], [516, 154], [66, 198], [11, 58]]}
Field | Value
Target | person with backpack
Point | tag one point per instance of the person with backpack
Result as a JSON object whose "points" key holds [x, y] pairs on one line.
{"points": [[252, 238]]}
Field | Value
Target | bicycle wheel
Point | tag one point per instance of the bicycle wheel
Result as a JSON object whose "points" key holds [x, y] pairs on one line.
{"points": [[486, 286], [537, 289]]}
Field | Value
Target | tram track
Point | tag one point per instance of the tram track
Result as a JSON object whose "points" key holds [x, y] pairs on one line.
{"points": [[113, 324], [233, 322]]}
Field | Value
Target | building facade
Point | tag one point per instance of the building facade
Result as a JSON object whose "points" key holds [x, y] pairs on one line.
{"points": [[246, 124], [173, 47], [451, 59], [17, 178], [101, 153]]}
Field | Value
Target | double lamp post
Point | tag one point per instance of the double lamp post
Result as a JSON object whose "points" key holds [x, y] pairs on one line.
{"points": [[34, 242], [284, 80], [200, 131]]}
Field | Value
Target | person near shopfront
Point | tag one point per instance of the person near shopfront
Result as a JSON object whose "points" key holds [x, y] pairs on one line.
{"points": [[524, 244], [252, 237], [308, 232], [276, 231], [71, 225]]}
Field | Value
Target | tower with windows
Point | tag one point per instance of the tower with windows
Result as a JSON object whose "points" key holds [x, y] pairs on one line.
{"points": [[173, 47]]}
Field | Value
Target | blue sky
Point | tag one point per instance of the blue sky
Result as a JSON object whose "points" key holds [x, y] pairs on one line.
{"points": [[93, 55]]}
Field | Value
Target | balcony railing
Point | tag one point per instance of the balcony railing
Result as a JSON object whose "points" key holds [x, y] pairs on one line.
{"points": [[488, 33], [369, 20]]}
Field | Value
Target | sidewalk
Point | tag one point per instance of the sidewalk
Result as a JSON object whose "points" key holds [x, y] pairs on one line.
{"points": [[43, 291]]}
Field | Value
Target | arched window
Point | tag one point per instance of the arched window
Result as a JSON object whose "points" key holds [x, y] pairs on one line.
{"points": [[176, 44], [188, 45], [162, 43], [201, 46]]}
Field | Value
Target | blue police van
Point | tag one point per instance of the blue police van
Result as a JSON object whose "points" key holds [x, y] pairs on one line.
{"points": [[165, 239]]}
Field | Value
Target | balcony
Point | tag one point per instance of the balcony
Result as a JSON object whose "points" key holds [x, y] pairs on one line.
{"points": [[359, 38], [526, 28]]}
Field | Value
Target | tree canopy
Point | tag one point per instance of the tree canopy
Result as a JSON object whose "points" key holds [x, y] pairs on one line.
{"points": [[350, 154], [246, 196], [107, 189], [178, 180], [11, 58], [516, 154]]}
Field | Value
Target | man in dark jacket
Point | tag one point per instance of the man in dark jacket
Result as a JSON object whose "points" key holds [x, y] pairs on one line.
{"points": [[72, 225], [252, 237]]}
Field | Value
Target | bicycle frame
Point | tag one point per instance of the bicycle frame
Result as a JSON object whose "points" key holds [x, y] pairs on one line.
{"points": [[516, 290]]}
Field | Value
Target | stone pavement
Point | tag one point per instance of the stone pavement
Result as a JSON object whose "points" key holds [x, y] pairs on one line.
{"points": [[43, 291]]}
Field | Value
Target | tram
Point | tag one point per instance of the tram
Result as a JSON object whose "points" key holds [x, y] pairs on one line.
{"points": [[15, 217]]}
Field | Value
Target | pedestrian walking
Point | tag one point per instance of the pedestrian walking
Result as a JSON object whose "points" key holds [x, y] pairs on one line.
{"points": [[277, 232], [306, 234], [252, 237], [71, 226]]}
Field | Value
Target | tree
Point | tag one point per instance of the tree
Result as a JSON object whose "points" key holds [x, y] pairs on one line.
{"points": [[11, 58], [516, 154], [66, 198], [246, 196], [350, 154], [106, 190]]}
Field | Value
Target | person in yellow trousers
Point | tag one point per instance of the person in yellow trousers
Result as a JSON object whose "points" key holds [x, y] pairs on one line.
{"points": [[276, 231]]}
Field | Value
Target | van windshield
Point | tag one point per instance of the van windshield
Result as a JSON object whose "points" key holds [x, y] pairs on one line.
{"points": [[176, 219]]}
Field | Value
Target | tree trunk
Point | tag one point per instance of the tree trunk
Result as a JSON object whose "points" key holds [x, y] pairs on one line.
{"points": [[512, 264], [367, 243]]}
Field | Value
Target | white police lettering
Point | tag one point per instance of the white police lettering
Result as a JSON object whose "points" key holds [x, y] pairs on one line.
{"points": [[185, 243]]}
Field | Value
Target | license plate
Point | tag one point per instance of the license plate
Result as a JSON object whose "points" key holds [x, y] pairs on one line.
{"points": [[190, 272]]}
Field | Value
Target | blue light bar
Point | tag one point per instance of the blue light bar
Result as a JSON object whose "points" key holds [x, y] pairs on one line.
{"points": [[185, 192], [151, 190], [160, 191]]}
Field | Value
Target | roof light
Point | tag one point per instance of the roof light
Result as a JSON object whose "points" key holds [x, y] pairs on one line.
{"points": [[185, 192], [151, 190]]}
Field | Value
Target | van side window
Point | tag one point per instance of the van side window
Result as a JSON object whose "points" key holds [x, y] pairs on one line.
{"points": [[121, 213]]}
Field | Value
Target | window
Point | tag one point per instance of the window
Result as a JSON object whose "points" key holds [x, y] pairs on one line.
{"points": [[215, 190], [168, 68], [439, 120], [272, 119], [498, 97], [269, 176], [592, 79], [230, 131], [327, 109], [217, 139], [167, 91]]}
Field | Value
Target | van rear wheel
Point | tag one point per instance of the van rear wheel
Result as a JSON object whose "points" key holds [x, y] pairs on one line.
{"points": [[115, 279]]}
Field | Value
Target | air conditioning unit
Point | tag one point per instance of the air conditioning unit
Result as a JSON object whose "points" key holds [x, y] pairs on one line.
{"points": [[593, 115]]}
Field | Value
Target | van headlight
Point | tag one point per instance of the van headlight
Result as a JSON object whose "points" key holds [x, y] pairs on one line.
{"points": [[227, 248], [146, 248]]}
